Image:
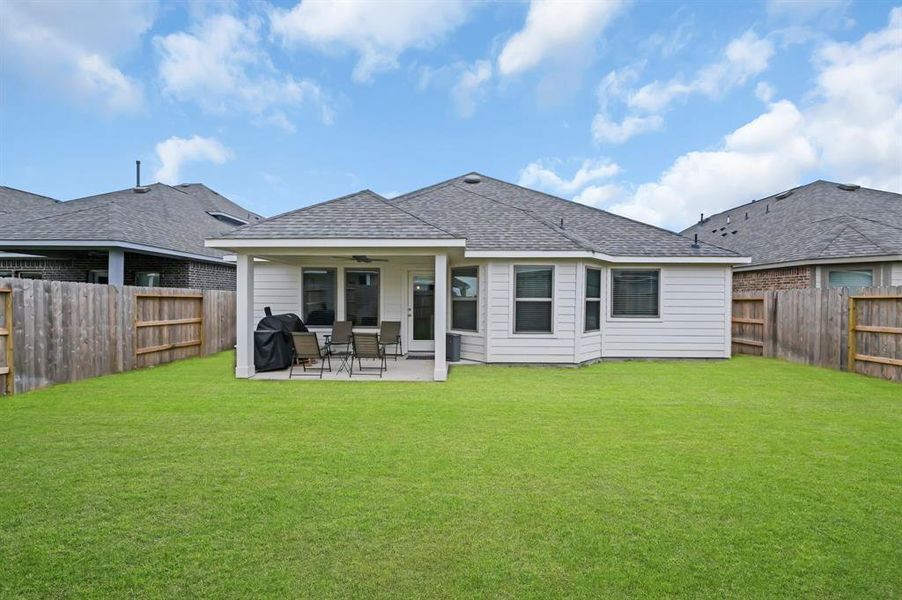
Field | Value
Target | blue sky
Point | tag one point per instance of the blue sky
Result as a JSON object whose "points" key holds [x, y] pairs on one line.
{"points": [[657, 111]]}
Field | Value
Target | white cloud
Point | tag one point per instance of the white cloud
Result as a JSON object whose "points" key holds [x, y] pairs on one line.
{"points": [[469, 87], [379, 32], [221, 66], [743, 58], [74, 46], [604, 130], [764, 91], [176, 151], [561, 30], [542, 176], [600, 195]]}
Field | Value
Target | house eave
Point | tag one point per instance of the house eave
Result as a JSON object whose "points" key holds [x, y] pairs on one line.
{"points": [[727, 260], [822, 261], [300, 243], [106, 245]]}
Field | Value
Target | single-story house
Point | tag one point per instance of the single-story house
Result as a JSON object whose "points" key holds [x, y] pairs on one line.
{"points": [[522, 276], [147, 235], [819, 235]]}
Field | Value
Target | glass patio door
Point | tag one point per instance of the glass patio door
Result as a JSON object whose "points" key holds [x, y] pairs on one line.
{"points": [[421, 311]]}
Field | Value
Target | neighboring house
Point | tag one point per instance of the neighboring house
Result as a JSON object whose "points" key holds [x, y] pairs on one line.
{"points": [[151, 235], [522, 276], [818, 235]]}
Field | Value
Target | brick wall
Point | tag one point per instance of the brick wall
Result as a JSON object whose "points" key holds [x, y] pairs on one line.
{"points": [[787, 278], [173, 272], [210, 276], [74, 268]]}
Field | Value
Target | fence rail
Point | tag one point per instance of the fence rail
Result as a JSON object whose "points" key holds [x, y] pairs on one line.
{"points": [[860, 332], [63, 332], [6, 340]]}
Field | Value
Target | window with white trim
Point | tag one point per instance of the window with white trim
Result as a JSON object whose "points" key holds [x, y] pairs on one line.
{"points": [[593, 299], [147, 279], [533, 298], [635, 293], [465, 298]]}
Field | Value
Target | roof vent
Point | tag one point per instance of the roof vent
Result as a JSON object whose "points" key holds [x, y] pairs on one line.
{"points": [[472, 178], [848, 187], [785, 194], [141, 190]]}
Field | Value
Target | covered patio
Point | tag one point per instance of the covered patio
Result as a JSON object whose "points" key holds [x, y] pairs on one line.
{"points": [[406, 368]]}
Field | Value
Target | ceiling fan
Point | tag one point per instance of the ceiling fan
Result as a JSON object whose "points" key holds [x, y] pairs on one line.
{"points": [[361, 258]]}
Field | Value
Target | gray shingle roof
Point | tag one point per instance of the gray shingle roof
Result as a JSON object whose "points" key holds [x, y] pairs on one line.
{"points": [[815, 222], [491, 215], [497, 215], [363, 215], [172, 218], [13, 201]]}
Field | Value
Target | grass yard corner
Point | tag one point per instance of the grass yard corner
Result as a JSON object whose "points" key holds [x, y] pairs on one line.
{"points": [[748, 477]]}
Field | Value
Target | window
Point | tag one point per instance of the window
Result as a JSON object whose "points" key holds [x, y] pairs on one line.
{"points": [[464, 302], [532, 299], [100, 276], [593, 299], [850, 278], [362, 297], [319, 296], [30, 275], [634, 293], [147, 279], [6, 273]]}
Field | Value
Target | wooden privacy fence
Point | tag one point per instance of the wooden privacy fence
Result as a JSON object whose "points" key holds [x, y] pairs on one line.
{"points": [[860, 332], [6, 340], [62, 332]]}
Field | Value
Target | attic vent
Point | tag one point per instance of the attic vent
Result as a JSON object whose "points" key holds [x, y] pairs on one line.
{"points": [[783, 195], [227, 218], [735, 231], [471, 179], [141, 190], [746, 216], [848, 187], [728, 220]]}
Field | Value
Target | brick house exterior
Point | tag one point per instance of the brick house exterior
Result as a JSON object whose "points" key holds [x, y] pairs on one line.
{"points": [[787, 278], [115, 237], [77, 267]]}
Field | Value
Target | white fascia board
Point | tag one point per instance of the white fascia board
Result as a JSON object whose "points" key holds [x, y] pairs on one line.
{"points": [[105, 245], [727, 260], [823, 261], [336, 243]]}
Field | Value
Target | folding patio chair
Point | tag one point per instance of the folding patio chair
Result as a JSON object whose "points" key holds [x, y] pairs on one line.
{"points": [[306, 347], [390, 335], [366, 345]]}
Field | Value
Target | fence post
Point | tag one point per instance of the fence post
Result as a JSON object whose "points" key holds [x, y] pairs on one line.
{"points": [[8, 322], [852, 337]]}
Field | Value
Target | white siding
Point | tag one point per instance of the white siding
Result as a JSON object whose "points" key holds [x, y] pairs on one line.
{"points": [[277, 286], [695, 303]]}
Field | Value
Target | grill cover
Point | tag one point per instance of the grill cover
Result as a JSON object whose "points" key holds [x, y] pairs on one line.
{"points": [[273, 347]]}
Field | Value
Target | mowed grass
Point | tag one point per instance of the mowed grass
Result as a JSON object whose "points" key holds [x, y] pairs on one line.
{"points": [[746, 478]]}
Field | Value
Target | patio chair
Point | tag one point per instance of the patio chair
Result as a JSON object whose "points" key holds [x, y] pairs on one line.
{"points": [[306, 347], [366, 345], [390, 335], [339, 342]]}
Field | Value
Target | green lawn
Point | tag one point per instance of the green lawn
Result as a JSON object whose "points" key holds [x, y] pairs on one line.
{"points": [[749, 478]]}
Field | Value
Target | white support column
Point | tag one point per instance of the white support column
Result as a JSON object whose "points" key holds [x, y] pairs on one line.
{"points": [[115, 266], [244, 363], [441, 315]]}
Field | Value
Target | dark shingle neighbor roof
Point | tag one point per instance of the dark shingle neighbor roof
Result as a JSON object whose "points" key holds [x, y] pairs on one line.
{"points": [[362, 215], [21, 202], [814, 222], [175, 218], [497, 215]]}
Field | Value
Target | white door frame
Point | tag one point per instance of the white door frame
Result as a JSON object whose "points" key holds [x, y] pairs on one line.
{"points": [[411, 344]]}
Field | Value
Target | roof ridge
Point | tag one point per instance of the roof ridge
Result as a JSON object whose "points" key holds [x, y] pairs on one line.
{"points": [[428, 188], [418, 218], [30, 193], [579, 241]]}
